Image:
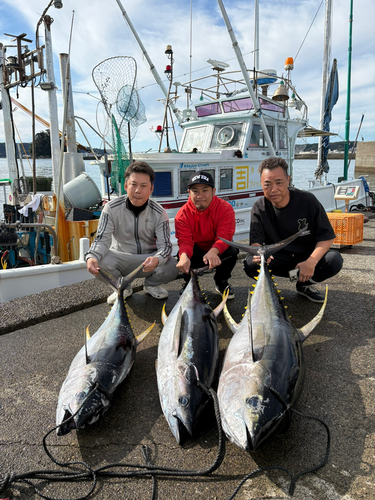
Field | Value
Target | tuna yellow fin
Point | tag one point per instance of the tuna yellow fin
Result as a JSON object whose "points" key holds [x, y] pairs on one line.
{"points": [[232, 325], [87, 338], [220, 307], [143, 335], [305, 331], [164, 316]]}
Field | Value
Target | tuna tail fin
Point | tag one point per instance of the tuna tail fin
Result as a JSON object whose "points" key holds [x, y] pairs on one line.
{"points": [[305, 331], [120, 284], [267, 250], [87, 338], [144, 334], [110, 279]]}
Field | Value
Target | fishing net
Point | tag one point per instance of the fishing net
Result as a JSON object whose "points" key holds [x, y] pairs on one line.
{"points": [[121, 162], [116, 80]]}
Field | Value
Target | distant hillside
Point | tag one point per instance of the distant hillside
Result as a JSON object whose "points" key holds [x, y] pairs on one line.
{"points": [[27, 146], [333, 146]]}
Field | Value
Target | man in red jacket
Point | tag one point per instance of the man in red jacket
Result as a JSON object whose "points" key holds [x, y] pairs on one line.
{"points": [[198, 224]]}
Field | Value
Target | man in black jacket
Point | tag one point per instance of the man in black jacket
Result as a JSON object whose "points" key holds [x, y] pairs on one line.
{"points": [[279, 214]]}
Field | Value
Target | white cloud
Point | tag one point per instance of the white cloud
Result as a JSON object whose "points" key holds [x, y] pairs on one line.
{"points": [[100, 32]]}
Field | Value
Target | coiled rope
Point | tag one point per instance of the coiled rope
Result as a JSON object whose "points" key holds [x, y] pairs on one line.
{"points": [[148, 470]]}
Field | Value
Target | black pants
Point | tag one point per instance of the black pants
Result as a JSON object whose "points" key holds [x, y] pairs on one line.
{"points": [[223, 272], [329, 265]]}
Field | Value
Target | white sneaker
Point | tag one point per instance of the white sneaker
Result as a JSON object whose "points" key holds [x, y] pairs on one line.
{"points": [[112, 298], [156, 291]]}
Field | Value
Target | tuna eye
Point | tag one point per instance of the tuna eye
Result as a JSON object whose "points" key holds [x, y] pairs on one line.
{"points": [[183, 400], [253, 402], [80, 396]]}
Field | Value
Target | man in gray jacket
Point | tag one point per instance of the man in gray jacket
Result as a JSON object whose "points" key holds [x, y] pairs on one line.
{"points": [[133, 229]]}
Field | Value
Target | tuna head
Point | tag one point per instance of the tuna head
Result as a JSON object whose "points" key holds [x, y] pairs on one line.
{"points": [[183, 404], [85, 408], [250, 411]]}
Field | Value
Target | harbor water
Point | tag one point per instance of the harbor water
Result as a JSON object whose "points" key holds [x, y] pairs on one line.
{"points": [[303, 171]]}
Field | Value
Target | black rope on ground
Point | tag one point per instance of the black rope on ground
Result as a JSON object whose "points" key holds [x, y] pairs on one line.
{"points": [[152, 470], [294, 478], [143, 470]]}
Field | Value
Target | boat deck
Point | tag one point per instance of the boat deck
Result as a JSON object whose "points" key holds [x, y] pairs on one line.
{"points": [[46, 330]]}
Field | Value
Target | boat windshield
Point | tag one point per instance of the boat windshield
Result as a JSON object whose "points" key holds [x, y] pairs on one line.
{"points": [[271, 106], [208, 109], [193, 139], [227, 135], [237, 105]]}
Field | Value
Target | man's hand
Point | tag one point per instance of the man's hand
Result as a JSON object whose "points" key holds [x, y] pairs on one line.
{"points": [[149, 264], [92, 266], [183, 264], [257, 259], [306, 269], [212, 258]]}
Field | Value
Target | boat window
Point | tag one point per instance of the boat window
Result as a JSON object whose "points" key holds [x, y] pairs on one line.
{"points": [[185, 176], [270, 106], [282, 138], [184, 179], [194, 138], [257, 139], [226, 178], [163, 184], [271, 132], [226, 136], [208, 109], [237, 105]]}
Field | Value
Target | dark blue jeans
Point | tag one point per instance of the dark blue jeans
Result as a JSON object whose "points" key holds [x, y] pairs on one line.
{"points": [[329, 265]]}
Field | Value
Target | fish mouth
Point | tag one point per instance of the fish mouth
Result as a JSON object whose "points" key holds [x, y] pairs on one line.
{"points": [[67, 424], [182, 429]]}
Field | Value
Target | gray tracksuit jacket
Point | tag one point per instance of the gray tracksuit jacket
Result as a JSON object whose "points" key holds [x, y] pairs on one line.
{"points": [[121, 230]]}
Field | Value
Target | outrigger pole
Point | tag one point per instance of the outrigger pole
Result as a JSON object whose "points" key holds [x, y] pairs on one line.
{"points": [[151, 65], [237, 50], [347, 119]]}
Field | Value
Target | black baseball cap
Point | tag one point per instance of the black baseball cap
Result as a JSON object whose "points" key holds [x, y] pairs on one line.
{"points": [[201, 178]]}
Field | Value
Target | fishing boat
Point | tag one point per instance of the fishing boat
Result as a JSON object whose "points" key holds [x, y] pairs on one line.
{"points": [[241, 118]]}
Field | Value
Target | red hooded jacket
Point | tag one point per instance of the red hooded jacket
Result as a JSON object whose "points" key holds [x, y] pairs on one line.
{"points": [[203, 228]]}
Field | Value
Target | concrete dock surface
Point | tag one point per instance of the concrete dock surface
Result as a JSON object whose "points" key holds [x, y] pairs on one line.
{"points": [[42, 333]]}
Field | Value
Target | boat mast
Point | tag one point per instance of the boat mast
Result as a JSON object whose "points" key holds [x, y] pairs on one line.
{"points": [[326, 62], [256, 36], [8, 131], [347, 120], [151, 65], [237, 50]]}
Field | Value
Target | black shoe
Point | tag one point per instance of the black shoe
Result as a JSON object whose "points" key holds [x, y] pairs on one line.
{"points": [[308, 290], [221, 287], [184, 285]]}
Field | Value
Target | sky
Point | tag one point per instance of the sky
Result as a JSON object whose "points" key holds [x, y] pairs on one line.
{"points": [[99, 31]]}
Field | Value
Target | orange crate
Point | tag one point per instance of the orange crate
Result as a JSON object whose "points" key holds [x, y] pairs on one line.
{"points": [[348, 228]]}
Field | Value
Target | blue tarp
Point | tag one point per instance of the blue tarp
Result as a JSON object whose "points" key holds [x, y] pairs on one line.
{"points": [[332, 95]]}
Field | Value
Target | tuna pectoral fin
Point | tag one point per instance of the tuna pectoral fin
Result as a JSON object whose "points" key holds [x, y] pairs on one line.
{"points": [[164, 316], [220, 307], [143, 335], [87, 338], [232, 325], [305, 331]]}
